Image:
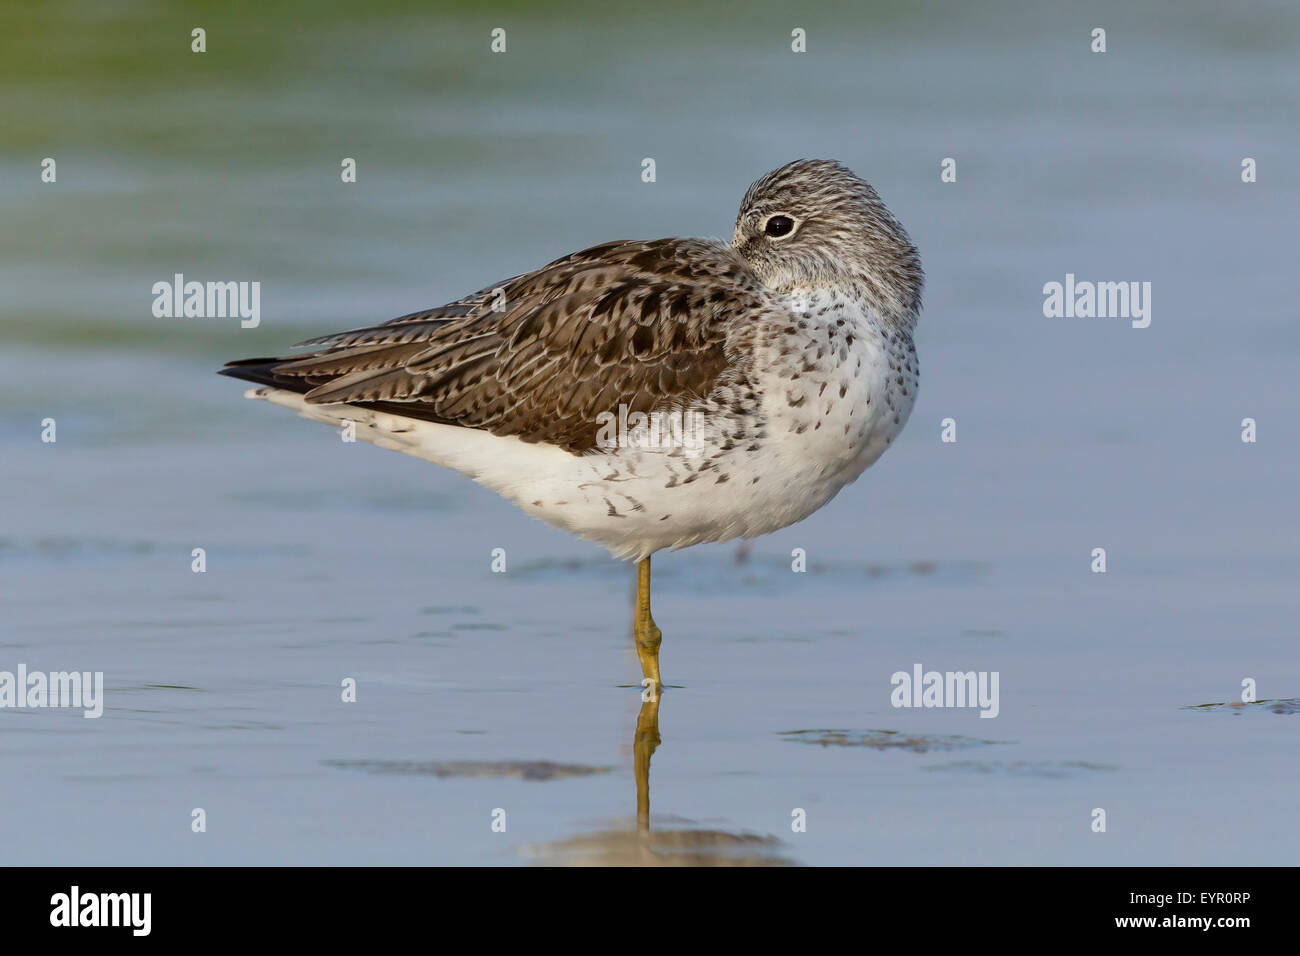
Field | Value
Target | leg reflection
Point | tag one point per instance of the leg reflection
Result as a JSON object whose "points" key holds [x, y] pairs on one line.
{"points": [[643, 747]]}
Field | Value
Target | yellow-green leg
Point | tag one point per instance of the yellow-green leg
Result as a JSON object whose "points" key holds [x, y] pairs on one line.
{"points": [[647, 636]]}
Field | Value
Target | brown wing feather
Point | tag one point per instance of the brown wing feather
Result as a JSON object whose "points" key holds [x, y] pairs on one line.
{"points": [[649, 325]]}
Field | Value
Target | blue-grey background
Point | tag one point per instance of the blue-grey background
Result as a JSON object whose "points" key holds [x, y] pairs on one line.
{"points": [[328, 560]]}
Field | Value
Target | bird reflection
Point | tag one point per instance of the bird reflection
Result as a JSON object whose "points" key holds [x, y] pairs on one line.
{"points": [[643, 846]]}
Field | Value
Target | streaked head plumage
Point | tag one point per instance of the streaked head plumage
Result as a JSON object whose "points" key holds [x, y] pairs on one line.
{"points": [[813, 223]]}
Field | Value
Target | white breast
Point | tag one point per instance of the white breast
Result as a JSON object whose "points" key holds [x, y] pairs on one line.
{"points": [[837, 393]]}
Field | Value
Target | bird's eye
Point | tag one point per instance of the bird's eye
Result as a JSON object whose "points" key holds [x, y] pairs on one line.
{"points": [[779, 226]]}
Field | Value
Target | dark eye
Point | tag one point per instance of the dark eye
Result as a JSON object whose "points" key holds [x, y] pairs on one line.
{"points": [[779, 226]]}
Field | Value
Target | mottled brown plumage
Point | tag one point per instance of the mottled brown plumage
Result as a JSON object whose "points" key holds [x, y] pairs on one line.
{"points": [[646, 324]]}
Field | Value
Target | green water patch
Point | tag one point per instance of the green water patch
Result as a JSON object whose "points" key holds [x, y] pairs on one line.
{"points": [[887, 740], [1283, 706], [534, 770]]}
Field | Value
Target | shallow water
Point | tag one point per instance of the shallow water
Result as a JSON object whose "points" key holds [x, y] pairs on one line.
{"points": [[479, 692]]}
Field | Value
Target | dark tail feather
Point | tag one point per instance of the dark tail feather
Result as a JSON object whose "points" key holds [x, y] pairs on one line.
{"points": [[262, 372]]}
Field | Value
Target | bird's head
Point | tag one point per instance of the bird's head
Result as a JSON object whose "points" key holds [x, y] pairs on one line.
{"points": [[814, 224]]}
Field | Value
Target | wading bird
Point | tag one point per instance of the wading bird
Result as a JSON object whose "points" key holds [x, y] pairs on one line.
{"points": [[791, 347]]}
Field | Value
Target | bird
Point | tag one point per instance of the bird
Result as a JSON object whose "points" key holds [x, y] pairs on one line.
{"points": [[651, 395]]}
